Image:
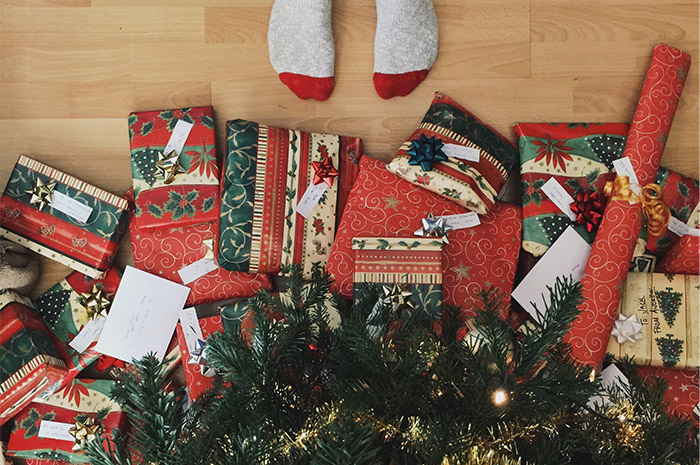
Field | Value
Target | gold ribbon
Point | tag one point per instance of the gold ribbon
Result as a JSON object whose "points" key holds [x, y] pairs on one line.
{"points": [[657, 214]]}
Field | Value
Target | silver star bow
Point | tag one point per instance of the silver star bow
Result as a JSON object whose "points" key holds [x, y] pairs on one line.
{"points": [[434, 227], [627, 329], [199, 357]]}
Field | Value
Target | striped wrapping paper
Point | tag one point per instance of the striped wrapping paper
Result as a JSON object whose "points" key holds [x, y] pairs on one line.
{"points": [[30, 363], [266, 173], [88, 247], [414, 263]]}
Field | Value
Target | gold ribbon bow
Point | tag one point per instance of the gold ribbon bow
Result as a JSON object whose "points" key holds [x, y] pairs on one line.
{"points": [[658, 215]]}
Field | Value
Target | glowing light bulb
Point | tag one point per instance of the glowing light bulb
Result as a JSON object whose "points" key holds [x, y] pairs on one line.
{"points": [[622, 418], [591, 378], [499, 397]]}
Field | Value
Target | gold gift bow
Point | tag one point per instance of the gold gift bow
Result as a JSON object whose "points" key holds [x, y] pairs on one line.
{"points": [[658, 215]]}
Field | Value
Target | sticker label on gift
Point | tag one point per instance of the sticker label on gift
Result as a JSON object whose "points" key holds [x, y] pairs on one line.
{"points": [[461, 152], [181, 132], [196, 270], [190, 327], [623, 167], [462, 221], [559, 197], [55, 430], [311, 197], [89, 334], [71, 207]]}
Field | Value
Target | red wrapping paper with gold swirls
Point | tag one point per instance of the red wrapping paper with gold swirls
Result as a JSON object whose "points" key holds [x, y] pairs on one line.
{"points": [[382, 204], [613, 247], [684, 257]]}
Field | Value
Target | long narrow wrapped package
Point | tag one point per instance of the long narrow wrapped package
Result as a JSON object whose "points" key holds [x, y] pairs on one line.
{"points": [[62, 218], [613, 247]]}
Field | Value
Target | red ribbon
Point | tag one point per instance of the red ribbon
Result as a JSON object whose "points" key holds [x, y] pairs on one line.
{"points": [[324, 171]]}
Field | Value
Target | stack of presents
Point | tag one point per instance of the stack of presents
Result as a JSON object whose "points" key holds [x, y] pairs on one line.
{"points": [[427, 227]]}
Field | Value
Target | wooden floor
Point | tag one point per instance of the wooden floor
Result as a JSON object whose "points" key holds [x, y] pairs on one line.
{"points": [[72, 70]]}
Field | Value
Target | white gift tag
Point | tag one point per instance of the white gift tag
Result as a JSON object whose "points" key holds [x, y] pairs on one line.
{"points": [[196, 270], [462, 152], [89, 334], [611, 376], [693, 232], [463, 220], [55, 430], [310, 199], [559, 197], [190, 327], [623, 167], [678, 227], [696, 409], [71, 207], [177, 140]]}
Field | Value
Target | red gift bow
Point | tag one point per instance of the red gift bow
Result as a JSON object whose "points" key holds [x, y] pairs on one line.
{"points": [[324, 171], [588, 209]]}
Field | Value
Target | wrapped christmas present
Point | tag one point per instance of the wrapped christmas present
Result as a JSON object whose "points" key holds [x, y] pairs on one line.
{"points": [[455, 155], [681, 194], [620, 227], [282, 194], [60, 427], [407, 270], [62, 218], [683, 394], [30, 362], [480, 252], [74, 310], [563, 164], [186, 255], [659, 320], [174, 167], [192, 334], [684, 255]]}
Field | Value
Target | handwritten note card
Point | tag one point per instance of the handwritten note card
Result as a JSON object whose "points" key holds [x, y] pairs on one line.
{"points": [[143, 316]]}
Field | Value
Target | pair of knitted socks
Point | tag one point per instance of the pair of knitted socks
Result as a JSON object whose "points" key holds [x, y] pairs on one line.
{"points": [[301, 46]]}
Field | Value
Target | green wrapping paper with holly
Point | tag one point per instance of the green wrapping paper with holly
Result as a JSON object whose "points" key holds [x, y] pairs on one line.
{"points": [[174, 167], [59, 427], [69, 306], [30, 362], [681, 194], [579, 157], [62, 218]]}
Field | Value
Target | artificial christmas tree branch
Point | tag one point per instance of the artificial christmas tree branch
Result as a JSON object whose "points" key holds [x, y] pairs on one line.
{"points": [[390, 386]]}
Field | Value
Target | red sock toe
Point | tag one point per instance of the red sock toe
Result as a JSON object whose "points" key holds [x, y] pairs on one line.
{"points": [[398, 85], [309, 87]]}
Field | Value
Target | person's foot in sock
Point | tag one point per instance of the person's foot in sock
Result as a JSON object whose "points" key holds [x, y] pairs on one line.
{"points": [[405, 45], [300, 40]]}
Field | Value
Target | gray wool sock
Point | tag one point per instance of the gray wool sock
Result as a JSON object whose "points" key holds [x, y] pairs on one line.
{"points": [[407, 36], [300, 38]]}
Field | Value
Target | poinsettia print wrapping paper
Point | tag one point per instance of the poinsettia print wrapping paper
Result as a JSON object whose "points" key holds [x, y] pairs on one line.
{"points": [[382, 204], [473, 183], [77, 401], [613, 247], [30, 363], [86, 246], [62, 309], [164, 252], [579, 157], [197, 382], [665, 306], [192, 196], [267, 171]]}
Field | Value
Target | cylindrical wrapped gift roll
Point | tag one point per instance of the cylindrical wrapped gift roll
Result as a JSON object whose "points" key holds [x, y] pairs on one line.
{"points": [[613, 247], [684, 257]]}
